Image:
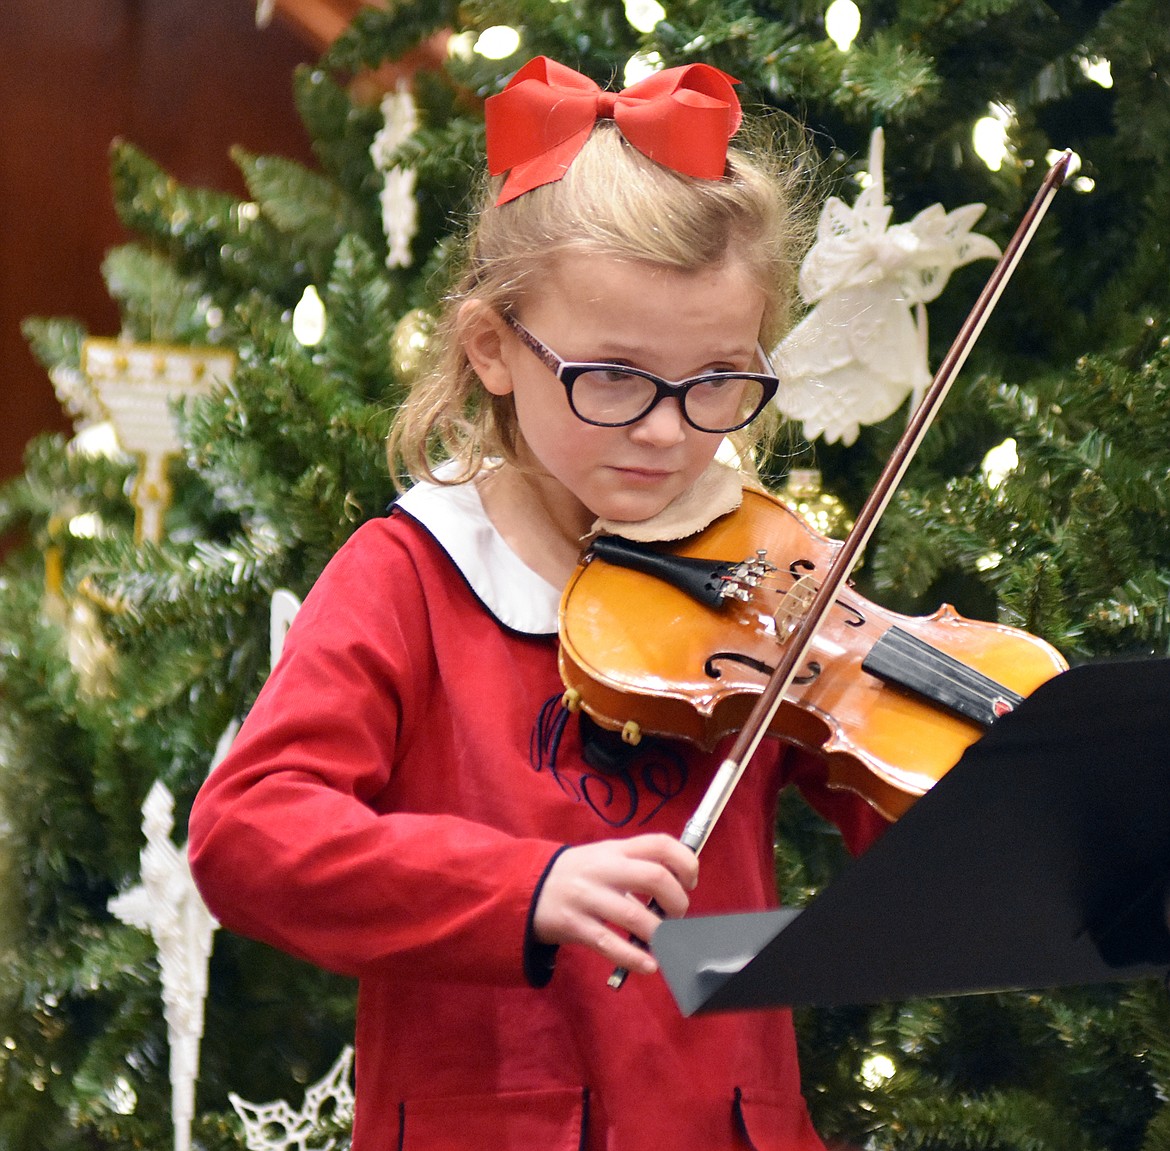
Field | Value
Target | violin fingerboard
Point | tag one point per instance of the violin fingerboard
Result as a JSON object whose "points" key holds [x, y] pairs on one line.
{"points": [[908, 662]]}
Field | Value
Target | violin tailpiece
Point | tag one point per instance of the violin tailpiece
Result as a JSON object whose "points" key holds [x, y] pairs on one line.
{"points": [[701, 579]]}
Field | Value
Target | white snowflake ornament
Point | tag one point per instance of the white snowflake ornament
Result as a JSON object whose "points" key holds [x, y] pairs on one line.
{"points": [[277, 1127], [862, 349], [399, 207]]}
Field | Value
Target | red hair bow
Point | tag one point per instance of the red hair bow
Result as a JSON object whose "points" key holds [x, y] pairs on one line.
{"points": [[681, 118]]}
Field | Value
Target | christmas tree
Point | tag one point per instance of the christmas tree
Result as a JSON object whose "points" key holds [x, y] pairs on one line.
{"points": [[277, 334]]}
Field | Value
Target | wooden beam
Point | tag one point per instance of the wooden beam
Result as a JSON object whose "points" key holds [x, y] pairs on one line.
{"points": [[322, 21]]}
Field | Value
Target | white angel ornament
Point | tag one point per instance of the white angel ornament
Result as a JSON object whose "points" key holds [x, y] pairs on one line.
{"points": [[862, 348]]}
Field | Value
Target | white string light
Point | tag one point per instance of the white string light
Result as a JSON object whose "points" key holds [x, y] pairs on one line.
{"points": [[461, 45], [1097, 69], [639, 66], [308, 318], [497, 42], [842, 23], [644, 15], [999, 463], [989, 136], [876, 1070]]}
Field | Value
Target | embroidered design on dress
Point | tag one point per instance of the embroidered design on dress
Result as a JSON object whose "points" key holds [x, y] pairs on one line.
{"points": [[620, 784]]}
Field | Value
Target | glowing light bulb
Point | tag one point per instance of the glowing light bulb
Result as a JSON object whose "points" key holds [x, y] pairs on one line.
{"points": [[86, 526], [639, 66], [461, 45], [999, 463], [122, 1097], [842, 23], [876, 1069], [99, 439], [308, 319], [644, 15], [497, 42], [989, 137], [1097, 69]]}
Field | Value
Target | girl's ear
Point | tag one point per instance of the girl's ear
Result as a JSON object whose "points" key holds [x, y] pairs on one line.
{"points": [[484, 336]]}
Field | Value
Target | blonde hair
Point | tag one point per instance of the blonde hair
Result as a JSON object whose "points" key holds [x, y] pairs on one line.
{"points": [[612, 202]]}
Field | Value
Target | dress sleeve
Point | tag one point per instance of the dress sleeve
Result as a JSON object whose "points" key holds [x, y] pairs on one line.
{"points": [[859, 823], [293, 839]]}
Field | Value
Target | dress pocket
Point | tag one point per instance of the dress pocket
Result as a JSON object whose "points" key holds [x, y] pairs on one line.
{"points": [[551, 1120], [769, 1122]]}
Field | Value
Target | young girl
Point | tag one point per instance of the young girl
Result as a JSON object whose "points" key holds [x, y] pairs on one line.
{"points": [[407, 802]]}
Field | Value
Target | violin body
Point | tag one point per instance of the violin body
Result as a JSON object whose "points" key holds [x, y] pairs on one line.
{"points": [[889, 701]]}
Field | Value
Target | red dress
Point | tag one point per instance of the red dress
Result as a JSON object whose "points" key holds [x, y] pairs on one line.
{"points": [[389, 810]]}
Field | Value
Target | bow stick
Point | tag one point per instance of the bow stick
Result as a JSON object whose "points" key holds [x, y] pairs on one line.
{"points": [[699, 827]]}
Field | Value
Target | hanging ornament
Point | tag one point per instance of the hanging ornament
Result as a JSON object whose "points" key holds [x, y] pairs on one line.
{"points": [[862, 349], [822, 510], [399, 207], [138, 385], [90, 655], [168, 905], [409, 342], [277, 1127]]}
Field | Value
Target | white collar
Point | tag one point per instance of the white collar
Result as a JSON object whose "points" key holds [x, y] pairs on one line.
{"points": [[454, 514]]}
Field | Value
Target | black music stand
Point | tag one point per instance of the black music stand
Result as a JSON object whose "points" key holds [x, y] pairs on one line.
{"points": [[1040, 860]]}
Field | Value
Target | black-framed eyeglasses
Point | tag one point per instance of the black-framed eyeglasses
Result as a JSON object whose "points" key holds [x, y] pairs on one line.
{"points": [[615, 395]]}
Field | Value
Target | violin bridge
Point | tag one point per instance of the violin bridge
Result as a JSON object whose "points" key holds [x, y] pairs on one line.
{"points": [[793, 606]]}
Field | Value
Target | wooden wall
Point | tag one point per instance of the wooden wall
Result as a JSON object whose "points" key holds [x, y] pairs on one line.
{"points": [[182, 79]]}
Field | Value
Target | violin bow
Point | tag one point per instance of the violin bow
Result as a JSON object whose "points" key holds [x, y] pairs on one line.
{"points": [[699, 827]]}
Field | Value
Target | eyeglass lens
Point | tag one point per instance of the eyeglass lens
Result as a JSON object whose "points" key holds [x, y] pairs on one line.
{"points": [[615, 397]]}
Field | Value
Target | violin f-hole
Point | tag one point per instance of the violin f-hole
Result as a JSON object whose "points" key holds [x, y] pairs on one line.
{"points": [[713, 672]]}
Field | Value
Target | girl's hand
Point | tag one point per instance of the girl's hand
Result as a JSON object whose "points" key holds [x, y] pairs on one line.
{"points": [[598, 895]]}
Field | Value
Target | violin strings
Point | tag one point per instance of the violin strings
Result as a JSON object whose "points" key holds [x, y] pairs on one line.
{"points": [[932, 662], [948, 668]]}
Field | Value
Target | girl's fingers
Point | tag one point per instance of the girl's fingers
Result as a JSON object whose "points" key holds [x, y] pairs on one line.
{"points": [[600, 894]]}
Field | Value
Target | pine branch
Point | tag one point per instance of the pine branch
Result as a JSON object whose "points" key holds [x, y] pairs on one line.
{"points": [[361, 309], [341, 133], [377, 35], [156, 303], [208, 234], [304, 205]]}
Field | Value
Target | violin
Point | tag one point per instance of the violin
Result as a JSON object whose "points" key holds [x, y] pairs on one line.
{"points": [[681, 641], [802, 654]]}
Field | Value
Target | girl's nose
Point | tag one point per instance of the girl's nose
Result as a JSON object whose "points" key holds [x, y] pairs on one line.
{"points": [[662, 426]]}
